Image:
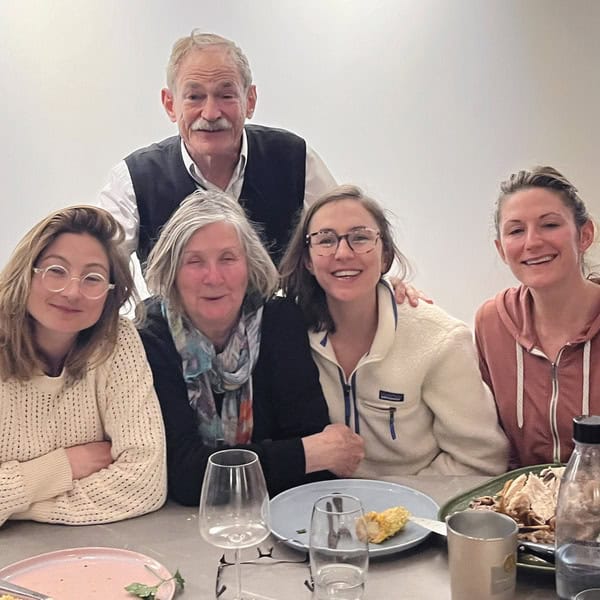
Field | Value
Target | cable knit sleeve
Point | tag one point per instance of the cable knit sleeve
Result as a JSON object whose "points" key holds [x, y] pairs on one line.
{"points": [[22, 483], [121, 395], [465, 422]]}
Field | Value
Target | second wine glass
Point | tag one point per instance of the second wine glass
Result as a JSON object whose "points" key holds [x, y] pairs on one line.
{"points": [[234, 504]]}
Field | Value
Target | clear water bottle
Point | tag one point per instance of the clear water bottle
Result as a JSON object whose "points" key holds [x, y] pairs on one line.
{"points": [[578, 513]]}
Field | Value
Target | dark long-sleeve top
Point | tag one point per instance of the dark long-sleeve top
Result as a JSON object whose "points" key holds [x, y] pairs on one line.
{"points": [[288, 402]]}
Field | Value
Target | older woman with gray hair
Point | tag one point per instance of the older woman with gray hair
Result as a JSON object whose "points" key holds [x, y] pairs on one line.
{"points": [[231, 364]]}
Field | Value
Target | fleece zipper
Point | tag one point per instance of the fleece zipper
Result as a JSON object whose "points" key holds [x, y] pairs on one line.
{"points": [[349, 392]]}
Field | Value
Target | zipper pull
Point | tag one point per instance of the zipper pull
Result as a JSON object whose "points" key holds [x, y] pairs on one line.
{"points": [[392, 410], [347, 407]]}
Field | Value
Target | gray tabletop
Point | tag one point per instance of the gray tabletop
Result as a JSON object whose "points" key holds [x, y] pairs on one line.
{"points": [[171, 536]]}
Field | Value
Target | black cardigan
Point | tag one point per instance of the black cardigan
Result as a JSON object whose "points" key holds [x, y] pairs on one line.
{"points": [[288, 402], [272, 193]]}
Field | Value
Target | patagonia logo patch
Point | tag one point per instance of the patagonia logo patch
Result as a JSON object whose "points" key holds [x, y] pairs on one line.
{"points": [[391, 396]]}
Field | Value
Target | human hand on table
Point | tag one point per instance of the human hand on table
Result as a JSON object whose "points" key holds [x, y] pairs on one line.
{"points": [[89, 458], [337, 449]]}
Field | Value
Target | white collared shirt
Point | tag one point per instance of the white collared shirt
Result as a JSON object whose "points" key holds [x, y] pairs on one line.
{"points": [[118, 197]]}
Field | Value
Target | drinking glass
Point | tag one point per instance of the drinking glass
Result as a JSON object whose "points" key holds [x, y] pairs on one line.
{"points": [[589, 594], [234, 505], [339, 559]]}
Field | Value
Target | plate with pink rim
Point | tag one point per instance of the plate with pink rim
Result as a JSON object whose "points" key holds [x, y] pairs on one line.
{"points": [[93, 573]]}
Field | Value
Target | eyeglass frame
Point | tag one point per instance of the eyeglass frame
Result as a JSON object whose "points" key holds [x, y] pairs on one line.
{"points": [[223, 562], [346, 236], [43, 271]]}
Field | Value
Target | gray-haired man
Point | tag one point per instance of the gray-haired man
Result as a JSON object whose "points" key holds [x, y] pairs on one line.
{"points": [[210, 95]]}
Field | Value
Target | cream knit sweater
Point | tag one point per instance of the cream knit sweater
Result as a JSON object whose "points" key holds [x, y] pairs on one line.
{"points": [[42, 417]]}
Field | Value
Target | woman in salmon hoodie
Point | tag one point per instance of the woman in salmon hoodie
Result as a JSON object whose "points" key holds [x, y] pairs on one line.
{"points": [[538, 342]]}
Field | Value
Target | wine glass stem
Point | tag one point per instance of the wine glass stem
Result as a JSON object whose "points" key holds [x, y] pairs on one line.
{"points": [[238, 575]]}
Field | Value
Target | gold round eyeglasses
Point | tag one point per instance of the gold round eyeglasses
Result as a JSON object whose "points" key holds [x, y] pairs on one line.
{"points": [[56, 278]]}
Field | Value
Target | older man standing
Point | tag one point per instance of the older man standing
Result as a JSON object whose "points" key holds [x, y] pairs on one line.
{"points": [[210, 95]]}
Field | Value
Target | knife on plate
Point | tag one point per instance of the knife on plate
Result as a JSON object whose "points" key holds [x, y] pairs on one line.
{"points": [[438, 527], [11, 588]]}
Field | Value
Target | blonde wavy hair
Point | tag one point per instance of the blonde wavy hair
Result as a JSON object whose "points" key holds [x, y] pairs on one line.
{"points": [[20, 358]]}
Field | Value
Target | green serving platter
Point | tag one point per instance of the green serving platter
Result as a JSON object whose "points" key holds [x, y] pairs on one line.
{"points": [[490, 488]]}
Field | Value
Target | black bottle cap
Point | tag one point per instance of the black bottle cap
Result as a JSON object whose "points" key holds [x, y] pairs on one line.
{"points": [[586, 429]]}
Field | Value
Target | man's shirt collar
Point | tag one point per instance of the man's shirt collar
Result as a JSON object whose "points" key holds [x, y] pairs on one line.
{"points": [[234, 187]]}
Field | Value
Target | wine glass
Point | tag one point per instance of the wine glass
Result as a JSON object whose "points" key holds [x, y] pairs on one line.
{"points": [[234, 504]]}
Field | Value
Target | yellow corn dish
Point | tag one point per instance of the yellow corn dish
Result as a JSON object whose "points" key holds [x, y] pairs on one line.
{"points": [[379, 526]]}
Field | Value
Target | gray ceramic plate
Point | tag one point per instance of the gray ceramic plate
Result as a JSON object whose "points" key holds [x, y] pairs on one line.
{"points": [[291, 511]]}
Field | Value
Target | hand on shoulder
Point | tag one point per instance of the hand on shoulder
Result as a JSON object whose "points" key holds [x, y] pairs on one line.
{"points": [[405, 291]]}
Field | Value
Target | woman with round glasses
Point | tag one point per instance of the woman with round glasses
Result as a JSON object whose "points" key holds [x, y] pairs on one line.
{"points": [[405, 378], [81, 434]]}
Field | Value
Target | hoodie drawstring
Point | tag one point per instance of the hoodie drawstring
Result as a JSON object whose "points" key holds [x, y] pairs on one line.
{"points": [[519, 385], [585, 402]]}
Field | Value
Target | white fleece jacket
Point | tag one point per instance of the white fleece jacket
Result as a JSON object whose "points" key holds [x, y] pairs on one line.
{"points": [[416, 397]]}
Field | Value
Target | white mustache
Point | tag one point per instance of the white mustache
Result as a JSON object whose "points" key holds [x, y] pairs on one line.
{"points": [[201, 124]]}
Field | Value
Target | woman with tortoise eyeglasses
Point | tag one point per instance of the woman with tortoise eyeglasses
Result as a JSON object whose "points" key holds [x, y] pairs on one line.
{"points": [[405, 379]]}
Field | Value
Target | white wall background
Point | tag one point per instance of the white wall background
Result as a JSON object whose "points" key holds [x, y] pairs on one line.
{"points": [[427, 104]]}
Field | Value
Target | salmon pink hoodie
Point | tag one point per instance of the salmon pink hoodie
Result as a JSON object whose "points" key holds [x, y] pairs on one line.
{"points": [[536, 399]]}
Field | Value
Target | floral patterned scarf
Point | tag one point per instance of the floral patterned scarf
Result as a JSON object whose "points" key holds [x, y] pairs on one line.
{"points": [[228, 373]]}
